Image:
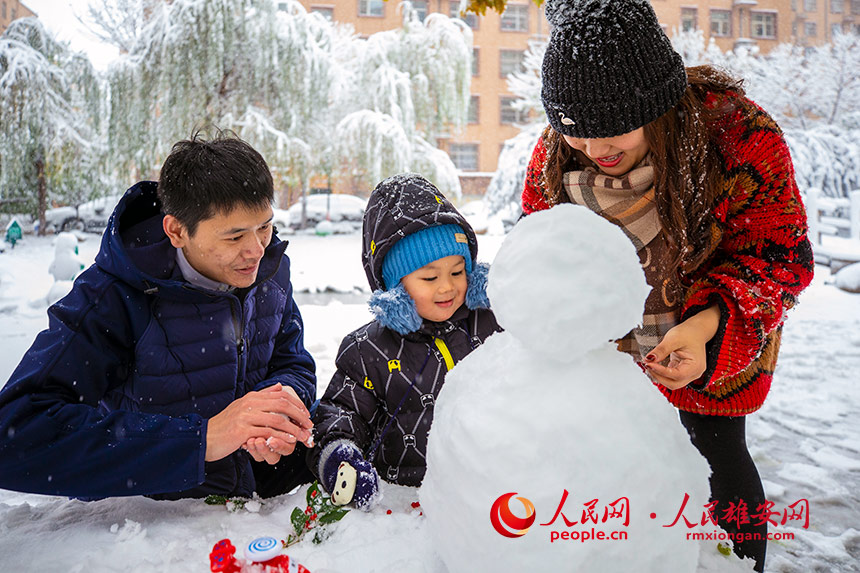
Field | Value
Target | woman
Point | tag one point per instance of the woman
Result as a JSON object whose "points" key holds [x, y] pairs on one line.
{"points": [[701, 181]]}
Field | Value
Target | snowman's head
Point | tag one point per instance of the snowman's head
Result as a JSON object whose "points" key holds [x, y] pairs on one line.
{"points": [[567, 281], [66, 244]]}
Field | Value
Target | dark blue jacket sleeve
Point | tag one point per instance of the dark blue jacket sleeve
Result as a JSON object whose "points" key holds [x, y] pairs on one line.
{"points": [[53, 437], [291, 365]]}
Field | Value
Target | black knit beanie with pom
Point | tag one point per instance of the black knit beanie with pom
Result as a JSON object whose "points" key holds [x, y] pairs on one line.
{"points": [[609, 67]]}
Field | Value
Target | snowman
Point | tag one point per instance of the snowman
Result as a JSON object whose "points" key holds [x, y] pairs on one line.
{"points": [[550, 450], [65, 266]]}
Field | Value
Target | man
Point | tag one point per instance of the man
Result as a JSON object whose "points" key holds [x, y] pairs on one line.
{"points": [[176, 366]]}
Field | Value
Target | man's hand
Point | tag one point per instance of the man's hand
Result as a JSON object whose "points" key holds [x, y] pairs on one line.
{"points": [[269, 450], [275, 415], [684, 346]]}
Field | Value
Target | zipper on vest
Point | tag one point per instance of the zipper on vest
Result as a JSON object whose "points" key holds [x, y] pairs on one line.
{"points": [[238, 325]]}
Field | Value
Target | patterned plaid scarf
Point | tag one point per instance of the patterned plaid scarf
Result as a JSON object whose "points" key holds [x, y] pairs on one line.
{"points": [[628, 202]]}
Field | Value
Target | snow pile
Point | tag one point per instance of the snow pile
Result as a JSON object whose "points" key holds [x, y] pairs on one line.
{"points": [[551, 406], [848, 278]]}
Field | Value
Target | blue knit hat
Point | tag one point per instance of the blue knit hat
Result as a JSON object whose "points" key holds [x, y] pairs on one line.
{"points": [[418, 249]]}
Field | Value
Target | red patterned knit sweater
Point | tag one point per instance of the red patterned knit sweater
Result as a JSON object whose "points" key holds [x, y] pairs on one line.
{"points": [[761, 263]]}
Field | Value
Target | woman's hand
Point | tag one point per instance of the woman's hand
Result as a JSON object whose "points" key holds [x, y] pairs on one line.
{"points": [[684, 345]]}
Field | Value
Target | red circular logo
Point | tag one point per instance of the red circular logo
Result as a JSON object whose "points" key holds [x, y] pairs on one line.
{"points": [[508, 524]]}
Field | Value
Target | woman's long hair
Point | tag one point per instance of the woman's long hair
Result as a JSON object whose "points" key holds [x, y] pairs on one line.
{"points": [[687, 167]]}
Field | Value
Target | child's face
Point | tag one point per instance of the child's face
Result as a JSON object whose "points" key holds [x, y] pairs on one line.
{"points": [[438, 288]]}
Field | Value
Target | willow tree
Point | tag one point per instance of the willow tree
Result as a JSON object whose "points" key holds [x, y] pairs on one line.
{"points": [[49, 114], [235, 64], [403, 90], [310, 95]]}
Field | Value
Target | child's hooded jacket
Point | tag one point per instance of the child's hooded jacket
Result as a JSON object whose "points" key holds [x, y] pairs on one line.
{"points": [[387, 364]]}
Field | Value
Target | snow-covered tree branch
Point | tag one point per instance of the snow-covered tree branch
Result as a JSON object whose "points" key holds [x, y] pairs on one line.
{"points": [[49, 109]]}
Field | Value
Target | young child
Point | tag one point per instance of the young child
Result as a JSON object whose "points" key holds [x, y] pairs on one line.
{"points": [[431, 308]]}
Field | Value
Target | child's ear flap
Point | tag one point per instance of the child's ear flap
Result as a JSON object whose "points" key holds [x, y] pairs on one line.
{"points": [[395, 309], [476, 292]]}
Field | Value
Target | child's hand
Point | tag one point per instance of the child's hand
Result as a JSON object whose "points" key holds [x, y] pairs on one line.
{"points": [[355, 482], [350, 478]]}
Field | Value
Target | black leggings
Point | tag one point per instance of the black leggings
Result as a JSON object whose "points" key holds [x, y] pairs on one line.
{"points": [[722, 441]]}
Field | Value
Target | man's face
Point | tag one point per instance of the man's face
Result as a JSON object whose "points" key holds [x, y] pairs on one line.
{"points": [[226, 247]]}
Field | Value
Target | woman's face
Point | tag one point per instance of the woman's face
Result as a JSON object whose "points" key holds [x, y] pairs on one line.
{"points": [[614, 156]]}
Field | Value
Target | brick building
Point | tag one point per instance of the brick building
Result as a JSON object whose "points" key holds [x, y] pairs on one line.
{"points": [[12, 10], [500, 42], [766, 23]]}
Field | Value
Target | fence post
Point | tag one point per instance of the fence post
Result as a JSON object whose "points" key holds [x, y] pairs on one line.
{"points": [[813, 215], [854, 213]]}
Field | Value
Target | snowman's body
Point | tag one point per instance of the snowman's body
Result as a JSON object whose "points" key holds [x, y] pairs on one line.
{"points": [[551, 406], [66, 264], [65, 267]]}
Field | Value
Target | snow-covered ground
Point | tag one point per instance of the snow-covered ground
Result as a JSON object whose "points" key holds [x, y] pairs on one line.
{"points": [[804, 440]]}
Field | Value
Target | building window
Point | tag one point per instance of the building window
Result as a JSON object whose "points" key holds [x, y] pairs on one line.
{"points": [[721, 23], [326, 12], [464, 156], [763, 25], [469, 18], [374, 8], [474, 109], [689, 19], [810, 5], [476, 59], [810, 29], [837, 6], [4, 10], [507, 114], [510, 61], [420, 7], [515, 18], [855, 7]]}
